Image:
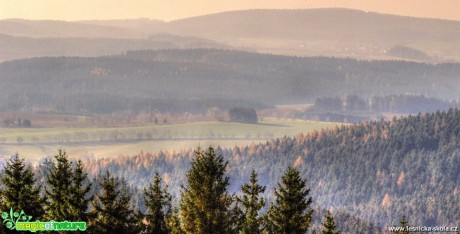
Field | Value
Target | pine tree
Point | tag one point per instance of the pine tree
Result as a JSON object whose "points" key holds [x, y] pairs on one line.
{"points": [[112, 208], [80, 199], [329, 226], [174, 223], [252, 203], [158, 202], [291, 212], [205, 202], [268, 225], [403, 223], [59, 191], [68, 190], [19, 191], [236, 216], [138, 224]]}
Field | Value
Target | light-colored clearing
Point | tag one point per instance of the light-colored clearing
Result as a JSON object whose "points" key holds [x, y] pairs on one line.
{"points": [[34, 144]]}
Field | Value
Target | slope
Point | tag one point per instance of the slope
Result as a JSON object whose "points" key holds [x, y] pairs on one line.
{"points": [[376, 171], [339, 32], [16, 47], [311, 32], [149, 80], [139, 28]]}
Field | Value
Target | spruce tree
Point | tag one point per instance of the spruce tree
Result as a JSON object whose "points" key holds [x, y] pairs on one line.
{"points": [[59, 190], [291, 212], [236, 216], [112, 210], [403, 223], [19, 191], [80, 197], [268, 225], [174, 222], [158, 203], [205, 201], [138, 224], [329, 226], [252, 203]]}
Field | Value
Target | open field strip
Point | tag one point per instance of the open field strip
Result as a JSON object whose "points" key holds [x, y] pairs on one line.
{"points": [[108, 142]]}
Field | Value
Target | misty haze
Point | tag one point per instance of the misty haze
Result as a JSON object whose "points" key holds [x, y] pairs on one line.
{"points": [[326, 120]]}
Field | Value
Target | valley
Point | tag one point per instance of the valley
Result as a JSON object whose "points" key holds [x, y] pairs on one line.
{"points": [[219, 123], [93, 143]]}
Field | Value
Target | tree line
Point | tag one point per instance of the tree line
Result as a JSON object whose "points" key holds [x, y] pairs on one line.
{"points": [[11, 122], [370, 173], [206, 206], [146, 80], [403, 104], [353, 108]]}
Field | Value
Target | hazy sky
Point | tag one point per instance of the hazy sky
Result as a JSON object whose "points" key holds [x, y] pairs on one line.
{"points": [[176, 9]]}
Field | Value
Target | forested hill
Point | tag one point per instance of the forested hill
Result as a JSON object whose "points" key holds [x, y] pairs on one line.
{"points": [[306, 32], [17, 47], [376, 171], [143, 79]]}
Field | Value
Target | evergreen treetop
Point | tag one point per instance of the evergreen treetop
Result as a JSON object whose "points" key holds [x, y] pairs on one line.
{"points": [[19, 191], [59, 190], [329, 226], [112, 209], [291, 212], [205, 201], [159, 209], [80, 198], [403, 223], [252, 203]]}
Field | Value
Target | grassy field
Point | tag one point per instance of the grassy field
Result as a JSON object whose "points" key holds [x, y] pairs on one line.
{"points": [[36, 143]]}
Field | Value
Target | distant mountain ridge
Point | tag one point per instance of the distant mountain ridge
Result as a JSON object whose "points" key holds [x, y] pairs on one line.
{"points": [[137, 28], [125, 23], [307, 32], [15, 47], [340, 32]]}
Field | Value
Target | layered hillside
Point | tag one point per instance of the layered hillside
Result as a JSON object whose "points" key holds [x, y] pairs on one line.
{"points": [[170, 80], [307, 32], [375, 171]]}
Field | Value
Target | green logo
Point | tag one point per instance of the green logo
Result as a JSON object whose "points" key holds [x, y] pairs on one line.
{"points": [[21, 222], [14, 217]]}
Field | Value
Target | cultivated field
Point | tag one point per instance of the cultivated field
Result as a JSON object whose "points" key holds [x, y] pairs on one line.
{"points": [[36, 143]]}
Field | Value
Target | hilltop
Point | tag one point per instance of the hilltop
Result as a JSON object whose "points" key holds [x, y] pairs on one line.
{"points": [[309, 32], [195, 80]]}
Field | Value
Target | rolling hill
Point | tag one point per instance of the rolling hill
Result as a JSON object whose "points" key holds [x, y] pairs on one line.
{"points": [[369, 174], [172, 80], [97, 142], [16, 47], [375, 171], [136, 28], [309, 32], [331, 32]]}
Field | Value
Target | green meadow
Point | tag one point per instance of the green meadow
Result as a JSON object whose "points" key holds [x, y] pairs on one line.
{"points": [[35, 143]]}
